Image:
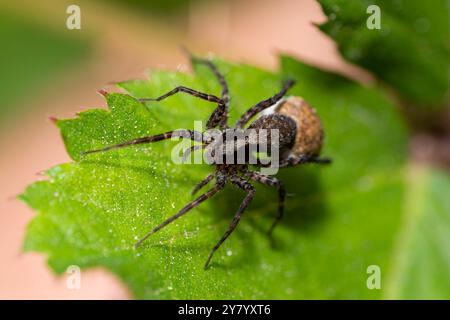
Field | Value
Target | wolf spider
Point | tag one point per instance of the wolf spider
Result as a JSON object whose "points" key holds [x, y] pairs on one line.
{"points": [[300, 141]]}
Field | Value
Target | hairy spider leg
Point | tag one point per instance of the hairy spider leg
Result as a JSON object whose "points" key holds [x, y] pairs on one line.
{"points": [[246, 186], [184, 210], [220, 115], [273, 182], [189, 134], [223, 83], [253, 111], [293, 161], [192, 92], [202, 183]]}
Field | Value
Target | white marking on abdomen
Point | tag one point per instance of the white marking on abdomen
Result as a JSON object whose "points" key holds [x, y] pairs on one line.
{"points": [[272, 109]]}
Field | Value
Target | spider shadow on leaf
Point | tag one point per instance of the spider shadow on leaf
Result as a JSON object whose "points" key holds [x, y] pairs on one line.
{"points": [[174, 242], [305, 209]]}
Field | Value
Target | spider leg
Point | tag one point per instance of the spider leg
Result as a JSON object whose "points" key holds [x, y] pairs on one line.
{"points": [[189, 134], [192, 92], [219, 76], [220, 115], [273, 182], [202, 183], [184, 210], [250, 113], [246, 186], [293, 161]]}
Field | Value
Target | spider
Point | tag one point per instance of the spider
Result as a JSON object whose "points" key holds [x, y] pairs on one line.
{"points": [[300, 141]]}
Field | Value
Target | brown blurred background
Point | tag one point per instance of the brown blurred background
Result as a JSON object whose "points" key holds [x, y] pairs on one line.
{"points": [[48, 70]]}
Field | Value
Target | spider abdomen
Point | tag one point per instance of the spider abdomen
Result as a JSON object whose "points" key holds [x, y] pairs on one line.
{"points": [[309, 132]]}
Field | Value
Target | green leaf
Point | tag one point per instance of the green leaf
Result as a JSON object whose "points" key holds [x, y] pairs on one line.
{"points": [[410, 51], [422, 259], [339, 220]]}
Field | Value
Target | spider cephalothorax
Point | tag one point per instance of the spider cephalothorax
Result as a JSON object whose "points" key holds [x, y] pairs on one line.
{"points": [[298, 140]]}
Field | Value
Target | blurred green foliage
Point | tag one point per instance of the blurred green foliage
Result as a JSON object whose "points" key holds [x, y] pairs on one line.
{"points": [[31, 55], [158, 7], [410, 52], [422, 261]]}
